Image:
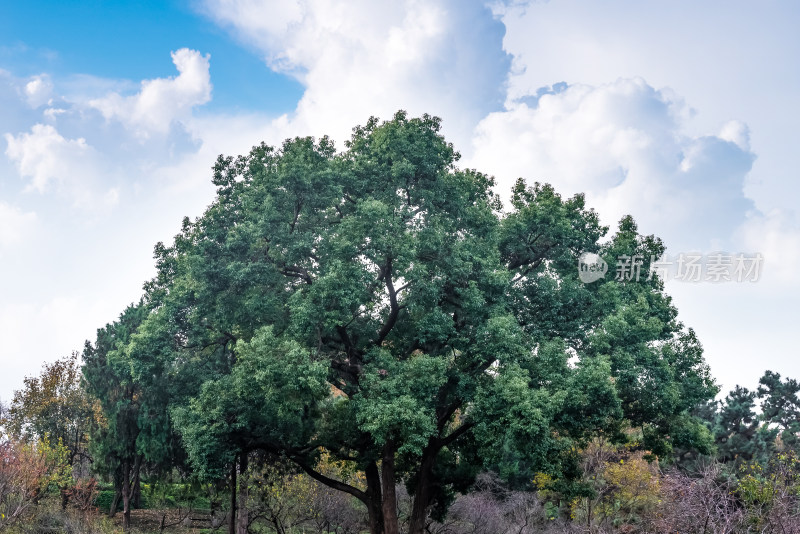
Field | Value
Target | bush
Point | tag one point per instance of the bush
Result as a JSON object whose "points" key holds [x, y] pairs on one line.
{"points": [[104, 499], [26, 474], [82, 494]]}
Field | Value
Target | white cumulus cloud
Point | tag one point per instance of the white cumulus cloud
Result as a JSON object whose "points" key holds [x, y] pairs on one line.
{"points": [[51, 161], [162, 101], [622, 143], [43, 155], [38, 90], [364, 58]]}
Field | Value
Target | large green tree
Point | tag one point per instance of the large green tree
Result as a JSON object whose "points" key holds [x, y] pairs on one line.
{"points": [[379, 304]]}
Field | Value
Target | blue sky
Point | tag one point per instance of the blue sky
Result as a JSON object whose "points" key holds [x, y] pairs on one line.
{"points": [[683, 114], [127, 41]]}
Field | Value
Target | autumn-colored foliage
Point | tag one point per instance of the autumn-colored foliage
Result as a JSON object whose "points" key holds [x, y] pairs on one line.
{"points": [[27, 471]]}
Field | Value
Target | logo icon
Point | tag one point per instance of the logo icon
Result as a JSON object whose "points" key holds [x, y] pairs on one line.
{"points": [[591, 267]]}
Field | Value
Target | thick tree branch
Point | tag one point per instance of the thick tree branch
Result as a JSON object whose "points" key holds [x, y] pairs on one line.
{"points": [[457, 433], [332, 483], [394, 308], [348, 343], [533, 260], [445, 415], [297, 208], [297, 272]]}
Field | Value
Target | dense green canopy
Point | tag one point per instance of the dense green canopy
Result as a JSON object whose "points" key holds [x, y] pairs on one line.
{"points": [[378, 303]]}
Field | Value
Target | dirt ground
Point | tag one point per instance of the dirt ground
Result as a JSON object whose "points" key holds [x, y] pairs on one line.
{"points": [[175, 521]]}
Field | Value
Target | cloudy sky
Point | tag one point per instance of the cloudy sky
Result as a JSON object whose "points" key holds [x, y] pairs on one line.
{"points": [[684, 114]]}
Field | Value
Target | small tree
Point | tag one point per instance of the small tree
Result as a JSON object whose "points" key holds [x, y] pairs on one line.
{"points": [[54, 404]]}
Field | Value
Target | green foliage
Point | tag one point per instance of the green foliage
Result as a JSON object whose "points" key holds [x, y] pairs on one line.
{"points": [[780, 406], [269, 401], [377, 303], [770, 493], [398, 399], [107, 377], [55, 458], [104, 500], [740, 435]]}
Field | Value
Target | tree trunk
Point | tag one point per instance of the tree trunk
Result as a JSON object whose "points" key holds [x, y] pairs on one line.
{"points": [[215, 504], [232, 517], [389, 504], [65, 490], [374, 499], [136, 490], [423, 493], [126, 496], [243, 516], [115, 503]]}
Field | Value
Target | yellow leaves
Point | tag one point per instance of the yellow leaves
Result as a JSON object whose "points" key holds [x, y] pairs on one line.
{"points": [[97, 414], [54, 461], [755, 485], [636, 482], [341, 470], [626, 485], [542, 481], [574, 504]]}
